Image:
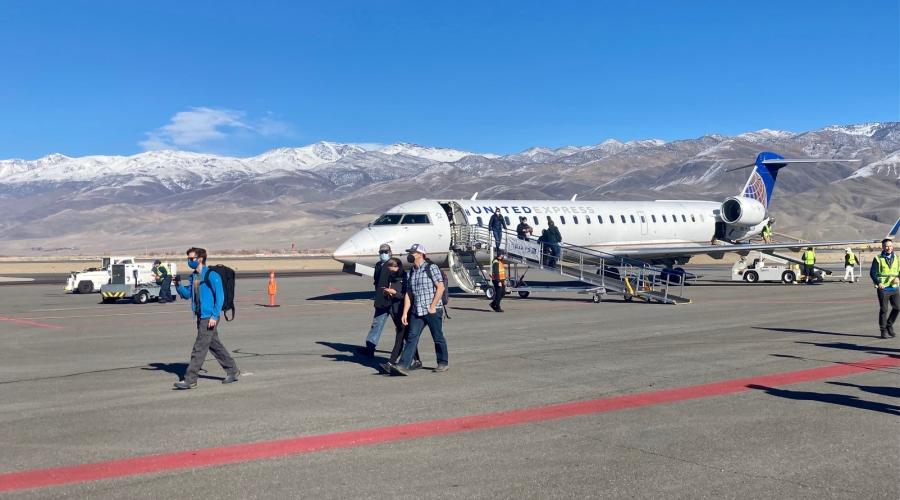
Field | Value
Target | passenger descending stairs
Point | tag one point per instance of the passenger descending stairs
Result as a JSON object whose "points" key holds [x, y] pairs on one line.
{"points": [[607, 273]]}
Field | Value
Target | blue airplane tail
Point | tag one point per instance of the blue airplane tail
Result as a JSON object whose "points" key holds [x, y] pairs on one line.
{"points": [[762, 180]]}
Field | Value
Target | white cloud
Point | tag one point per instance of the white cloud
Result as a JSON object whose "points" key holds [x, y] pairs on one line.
{"points": [[208, 129]]}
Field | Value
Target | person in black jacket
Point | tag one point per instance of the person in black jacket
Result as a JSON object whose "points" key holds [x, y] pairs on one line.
{"points": [[553, 239], [393, 295], [380, 280], [497, 224], [523, 230]]}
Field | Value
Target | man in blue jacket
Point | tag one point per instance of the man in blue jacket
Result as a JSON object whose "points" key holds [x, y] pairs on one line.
{"points": [[885, 274], [206, 297]]}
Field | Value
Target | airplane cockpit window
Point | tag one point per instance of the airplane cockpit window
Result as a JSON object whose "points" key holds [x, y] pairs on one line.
{"points": [[387, 220], [415, 219]]}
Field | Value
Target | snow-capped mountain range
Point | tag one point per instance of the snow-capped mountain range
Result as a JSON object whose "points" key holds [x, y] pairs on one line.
{"points": [[186, 169], [324, 190]]}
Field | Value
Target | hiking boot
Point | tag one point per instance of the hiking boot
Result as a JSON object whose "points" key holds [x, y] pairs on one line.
{"points": [[232, 378], [184, 385], [890, 332], [441, 368]]}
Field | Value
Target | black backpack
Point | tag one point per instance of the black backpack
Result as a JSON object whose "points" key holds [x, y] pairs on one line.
{"points": [[228, 276]]}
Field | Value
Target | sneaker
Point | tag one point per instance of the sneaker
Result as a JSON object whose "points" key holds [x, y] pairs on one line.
{"points": [[890, 332], [398, 370], [232, 378], [441, 368], [386, 367], [416, 364], [184, 385]]}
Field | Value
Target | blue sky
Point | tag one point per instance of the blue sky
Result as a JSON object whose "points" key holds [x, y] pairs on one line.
{"points": [[119, 77]]}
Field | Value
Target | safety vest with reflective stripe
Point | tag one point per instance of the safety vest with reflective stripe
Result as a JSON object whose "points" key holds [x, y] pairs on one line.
{"points": [[851, 259], [887, 273], [809, 257], [498, 270], [767, 230]]}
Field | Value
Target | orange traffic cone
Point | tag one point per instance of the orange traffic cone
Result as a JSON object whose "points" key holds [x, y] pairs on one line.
{"points": [[273, 289]]}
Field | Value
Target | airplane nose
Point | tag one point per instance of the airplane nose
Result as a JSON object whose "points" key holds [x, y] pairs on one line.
{"points": [[361, 244]]}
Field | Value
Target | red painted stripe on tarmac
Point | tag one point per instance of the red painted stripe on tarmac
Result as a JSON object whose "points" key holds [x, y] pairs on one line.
{"points": [[206, 457], [27, 322]]}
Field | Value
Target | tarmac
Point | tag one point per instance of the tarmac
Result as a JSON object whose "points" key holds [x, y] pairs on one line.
{"points": [[751, 391]]}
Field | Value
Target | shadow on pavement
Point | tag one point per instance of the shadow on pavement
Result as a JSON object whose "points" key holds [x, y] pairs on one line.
{"points": [[874, 349], [803, 330], [177, 369], [835, 399], [893, 392], [353, 355]]}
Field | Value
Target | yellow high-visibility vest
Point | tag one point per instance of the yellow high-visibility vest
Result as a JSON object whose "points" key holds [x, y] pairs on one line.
{"points": [[809, 257], [851, 259], [887, 273], [498, 270]]}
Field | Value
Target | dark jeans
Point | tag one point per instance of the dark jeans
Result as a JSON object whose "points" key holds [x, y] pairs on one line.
{"points": [[402, 336], [889, 308], [498, 237], [499, 292], [165, 290], [208, 340], [435, 326], [553, 250]]}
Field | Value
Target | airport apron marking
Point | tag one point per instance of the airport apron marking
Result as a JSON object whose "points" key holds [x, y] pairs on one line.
{"points": [[27, 322], [206, 457]]}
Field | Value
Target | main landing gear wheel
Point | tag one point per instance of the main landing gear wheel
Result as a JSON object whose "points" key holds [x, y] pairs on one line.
{"points": [[596, 298], [751, 277]]}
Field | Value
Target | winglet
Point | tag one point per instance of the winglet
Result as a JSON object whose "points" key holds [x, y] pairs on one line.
{"points": [[474, 196]]}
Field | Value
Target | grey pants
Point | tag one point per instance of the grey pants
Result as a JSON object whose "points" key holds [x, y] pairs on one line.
{"points": [[208, 340], [889, 308]]}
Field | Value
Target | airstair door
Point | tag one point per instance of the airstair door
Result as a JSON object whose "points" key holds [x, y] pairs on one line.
{"points": [[642, 218]]}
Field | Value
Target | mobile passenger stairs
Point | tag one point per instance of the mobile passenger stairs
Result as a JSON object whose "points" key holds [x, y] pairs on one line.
{"points": [[602, 273]]}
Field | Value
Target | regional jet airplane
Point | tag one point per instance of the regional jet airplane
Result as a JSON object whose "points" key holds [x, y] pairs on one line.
{"points": [[664, 232]]}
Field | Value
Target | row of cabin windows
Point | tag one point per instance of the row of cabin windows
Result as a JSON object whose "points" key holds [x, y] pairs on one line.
{"points": [[612, 219]]}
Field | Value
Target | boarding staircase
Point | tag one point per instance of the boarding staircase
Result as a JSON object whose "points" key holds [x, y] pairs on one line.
{"points": [[603, 272]]}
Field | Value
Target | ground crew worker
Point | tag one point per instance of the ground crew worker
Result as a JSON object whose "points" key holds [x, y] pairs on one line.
{"points": [[885, 273], [164, 280], [849, 265], [767, 232], [498, 279], [809, 263]]}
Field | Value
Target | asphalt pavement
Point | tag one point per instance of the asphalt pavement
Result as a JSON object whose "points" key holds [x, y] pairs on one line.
{"points": [[751, 391]]}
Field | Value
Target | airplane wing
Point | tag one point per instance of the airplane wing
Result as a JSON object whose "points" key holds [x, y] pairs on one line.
{"points": [[714, 250]]}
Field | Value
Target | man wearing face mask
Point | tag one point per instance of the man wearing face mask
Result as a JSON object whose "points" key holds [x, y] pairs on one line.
{"points": [[206, 296], [381, 278], [497, 225]]}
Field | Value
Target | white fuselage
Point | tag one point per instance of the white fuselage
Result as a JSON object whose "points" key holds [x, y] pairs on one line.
{"points": [[611, 226]]}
